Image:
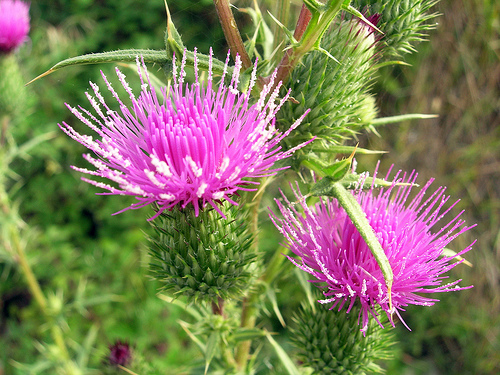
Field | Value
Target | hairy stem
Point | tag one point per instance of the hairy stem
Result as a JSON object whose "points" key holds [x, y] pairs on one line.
{"points": [[231, 32]]}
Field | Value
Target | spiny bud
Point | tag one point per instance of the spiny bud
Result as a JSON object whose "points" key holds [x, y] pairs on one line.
{"points": [[330, 342], [334, 90], [204, 257], [404, 23]]}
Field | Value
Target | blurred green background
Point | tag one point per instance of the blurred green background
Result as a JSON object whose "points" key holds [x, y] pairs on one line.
{"points": [[97, 262]]}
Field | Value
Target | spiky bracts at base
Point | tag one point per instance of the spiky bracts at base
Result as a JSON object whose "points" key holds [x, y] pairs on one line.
{"points": [[183, 145], [336, 91], [330, 342], [404, 23], [332, 250], [204, 257]]}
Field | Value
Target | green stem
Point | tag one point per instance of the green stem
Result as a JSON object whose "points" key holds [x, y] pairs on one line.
{"points": [[282, 12], [316, 27], [249, 308], [231, 32], [3, 130], [33, 284]]}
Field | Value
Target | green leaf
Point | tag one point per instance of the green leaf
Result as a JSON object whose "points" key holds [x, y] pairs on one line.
{"points": [[333, 172], [450, 253], [358, 217], [400, 118], [345, 150], [284, 358], [263, 34], [288, 33], [211, 347], [245, 334], [22, 150], [349, 8], [302, 277], [326, 186], [186, 307], [352, 181], [126, 55], [271, 294], [173, 40]]}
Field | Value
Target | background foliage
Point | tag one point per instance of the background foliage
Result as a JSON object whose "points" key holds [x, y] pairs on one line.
{"points": [[96, 261]]}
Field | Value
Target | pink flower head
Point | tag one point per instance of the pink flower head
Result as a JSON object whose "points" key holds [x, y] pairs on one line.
{"points": [[14, 24], [185, 144], [332, 250]]}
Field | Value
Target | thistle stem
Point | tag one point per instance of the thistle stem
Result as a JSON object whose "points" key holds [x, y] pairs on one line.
{"points": [[304, 18], [33, 284], [231, 32], [310, 28], [282, 12], [249, 308], [218, 307], [3, 130]]}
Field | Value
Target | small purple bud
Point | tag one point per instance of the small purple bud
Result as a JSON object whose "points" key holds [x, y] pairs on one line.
{"points": [[120, 354]]}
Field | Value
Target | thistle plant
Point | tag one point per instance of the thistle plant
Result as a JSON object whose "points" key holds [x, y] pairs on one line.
{"points": [[332, 250], [200, 154]]}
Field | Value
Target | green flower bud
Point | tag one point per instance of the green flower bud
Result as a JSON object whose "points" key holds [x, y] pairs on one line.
{"points": [[336, 91], [330, 342], [205, 257], [403, 22]]}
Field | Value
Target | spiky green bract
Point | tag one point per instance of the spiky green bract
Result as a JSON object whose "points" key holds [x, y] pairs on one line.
{"points": [[403, 22], [336, 91], [330, 341], [203, 258]]}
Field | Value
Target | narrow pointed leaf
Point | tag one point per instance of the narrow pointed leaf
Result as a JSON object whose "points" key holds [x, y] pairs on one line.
{"points": [[274, 302], [212, 344], [450, 253], [352, 181], [400, 118], [245, 334], [283, 356], [358, 217], [173, 40], [126, 55], [346, 150], [349, 8], [288, 33]]}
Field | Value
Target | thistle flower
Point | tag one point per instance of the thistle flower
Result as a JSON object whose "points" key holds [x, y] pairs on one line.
{"points": [[14, 24], [185, 144], [332, 250]]}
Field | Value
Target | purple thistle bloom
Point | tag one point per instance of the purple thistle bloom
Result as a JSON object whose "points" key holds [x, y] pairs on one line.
{"points": [[187, 144], [14, 24], [332, 250]]}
